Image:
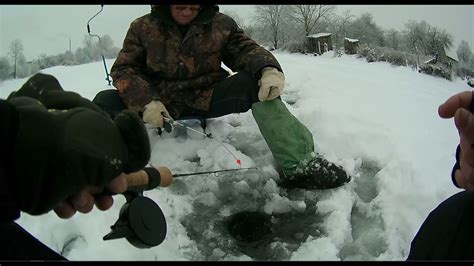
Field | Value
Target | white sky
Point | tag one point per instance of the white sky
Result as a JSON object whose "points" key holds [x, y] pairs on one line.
{"points": [[358, 113], [48, 28]]}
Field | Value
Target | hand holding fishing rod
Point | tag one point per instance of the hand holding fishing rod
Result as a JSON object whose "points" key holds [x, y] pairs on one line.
{"points": [[141, 221]]}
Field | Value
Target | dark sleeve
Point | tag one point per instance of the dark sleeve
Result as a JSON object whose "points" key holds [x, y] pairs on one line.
{"points": [[456, 167], [128, 71], [9, 210], [243, 53]]}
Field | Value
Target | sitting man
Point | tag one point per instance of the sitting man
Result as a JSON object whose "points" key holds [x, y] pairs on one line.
{"points": [[170, 66]]}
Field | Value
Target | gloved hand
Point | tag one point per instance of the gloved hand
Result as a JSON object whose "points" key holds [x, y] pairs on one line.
{"points": [[154, 113], [58, 152], [271, 84]]}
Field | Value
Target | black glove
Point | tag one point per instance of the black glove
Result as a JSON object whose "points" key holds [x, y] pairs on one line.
{"points": [[56, 152], [46, 89]]}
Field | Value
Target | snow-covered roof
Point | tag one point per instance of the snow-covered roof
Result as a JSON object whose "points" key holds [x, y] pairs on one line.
{"points": [[317, 35], [351, 40]]}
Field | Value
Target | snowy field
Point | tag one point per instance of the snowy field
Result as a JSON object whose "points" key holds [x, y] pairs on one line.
{"points": [[378, 121]]}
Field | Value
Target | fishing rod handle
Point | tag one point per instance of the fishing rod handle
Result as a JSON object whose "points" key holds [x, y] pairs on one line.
{"points": [[150, 178]]}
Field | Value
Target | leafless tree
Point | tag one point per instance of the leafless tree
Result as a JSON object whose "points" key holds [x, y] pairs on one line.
{"points": [[271, 16], [5, 68], [310, 15], [464, 52], [16, 50], [394, 39], [415, 35], [437, 42], [345, 20], [338, 26]]}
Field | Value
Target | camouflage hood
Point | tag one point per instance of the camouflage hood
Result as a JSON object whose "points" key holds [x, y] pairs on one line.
{"points": [[162, 12]]}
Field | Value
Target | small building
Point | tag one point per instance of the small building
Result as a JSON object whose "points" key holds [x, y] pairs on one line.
{"points": [[441, 66], [443, 60], [351, 45], [319, 43]]}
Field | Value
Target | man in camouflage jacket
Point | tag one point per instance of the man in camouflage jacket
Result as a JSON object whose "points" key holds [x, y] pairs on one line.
{"points": [[170, 66]]}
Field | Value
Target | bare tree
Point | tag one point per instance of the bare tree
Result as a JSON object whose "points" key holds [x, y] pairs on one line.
{"points": [[271, 16], [5, 68], [309, 15], [437, 42], [16, 50], [108, 48], [393, 38], [338, 25], [344, 21], [366, 30], [415, 35], [464, 52]]}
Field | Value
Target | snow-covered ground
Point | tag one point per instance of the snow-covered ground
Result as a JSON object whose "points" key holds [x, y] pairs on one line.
{"points": [[378, 121]]}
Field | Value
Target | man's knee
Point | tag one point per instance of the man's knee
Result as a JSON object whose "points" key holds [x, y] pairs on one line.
{"points": [[109, 101], [248, 83]]}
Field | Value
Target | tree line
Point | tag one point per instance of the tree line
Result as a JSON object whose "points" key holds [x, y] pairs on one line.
{"points": [[15, 65], [286, 27]]}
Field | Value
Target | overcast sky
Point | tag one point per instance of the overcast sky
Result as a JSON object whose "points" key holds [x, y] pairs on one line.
{"points": [[49, 28]]}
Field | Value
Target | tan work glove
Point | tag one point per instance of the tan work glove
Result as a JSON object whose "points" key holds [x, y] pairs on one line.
{"points": [[271, 84], [154, 113]]}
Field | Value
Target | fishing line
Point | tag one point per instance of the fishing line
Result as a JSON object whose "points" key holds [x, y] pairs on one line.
{"points": [[238, 161]]}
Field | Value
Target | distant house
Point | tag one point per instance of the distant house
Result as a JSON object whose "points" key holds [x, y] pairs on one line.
{"points": [[441, 65], [319, 43], [443, 60], [351, 45]]}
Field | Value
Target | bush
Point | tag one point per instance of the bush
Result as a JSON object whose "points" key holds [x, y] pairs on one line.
{"points": [[397, 58], [363, 51], [372, 56], [294, 47], [464, 70], [338, 52], [369, 53], [435, 70]]}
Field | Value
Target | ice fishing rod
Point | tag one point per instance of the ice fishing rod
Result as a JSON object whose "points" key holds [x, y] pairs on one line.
{"points": [[141, 221], [214, 172], [107, 76]]}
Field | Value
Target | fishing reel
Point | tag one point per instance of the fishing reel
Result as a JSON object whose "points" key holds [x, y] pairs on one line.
{"points": [[141, 221]]}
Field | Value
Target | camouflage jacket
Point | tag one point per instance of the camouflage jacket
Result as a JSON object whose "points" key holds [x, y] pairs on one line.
{"points": [[157, 62]]}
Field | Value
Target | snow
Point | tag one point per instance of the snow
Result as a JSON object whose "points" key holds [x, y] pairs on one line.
{"points": [[351, 40], [317, 35], [378, 121]]}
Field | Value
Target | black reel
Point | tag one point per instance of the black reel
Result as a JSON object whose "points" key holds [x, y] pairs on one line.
{"points": [[141, 221]]}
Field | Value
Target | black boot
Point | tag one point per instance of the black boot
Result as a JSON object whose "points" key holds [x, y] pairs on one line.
{"points": [[318, 173]]}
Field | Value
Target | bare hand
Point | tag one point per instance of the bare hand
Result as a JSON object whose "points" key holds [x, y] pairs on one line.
{"points": [[84, 200], [458, 106]]}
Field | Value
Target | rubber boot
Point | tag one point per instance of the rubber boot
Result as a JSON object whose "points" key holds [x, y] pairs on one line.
{"points": [[292, 146]]}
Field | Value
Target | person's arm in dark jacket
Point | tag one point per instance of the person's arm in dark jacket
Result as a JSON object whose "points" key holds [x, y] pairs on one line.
{"points": [[57, 145], [8, 128]]}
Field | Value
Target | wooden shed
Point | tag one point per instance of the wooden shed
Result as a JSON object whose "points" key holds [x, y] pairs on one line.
{"points": [[319, 43], [351, 45]]}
